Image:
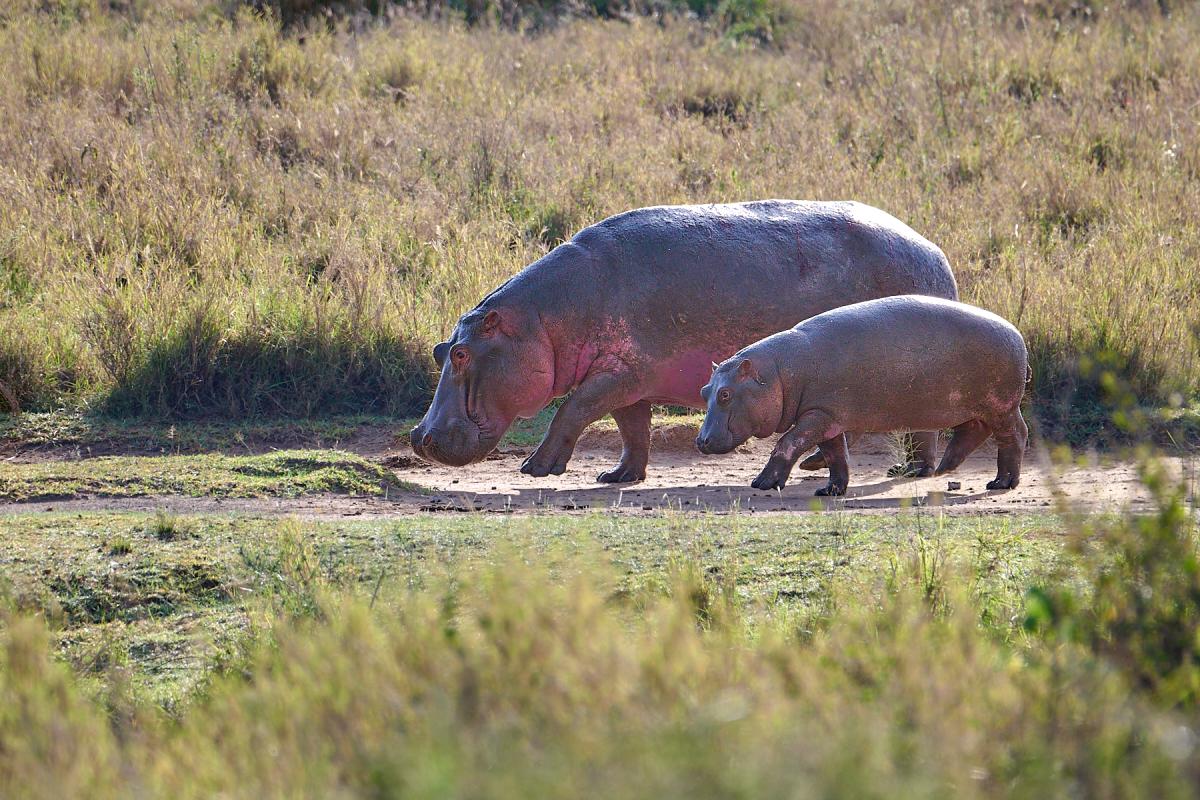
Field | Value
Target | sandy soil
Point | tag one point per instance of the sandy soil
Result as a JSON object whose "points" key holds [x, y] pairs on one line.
{"points": [[680, 478]]}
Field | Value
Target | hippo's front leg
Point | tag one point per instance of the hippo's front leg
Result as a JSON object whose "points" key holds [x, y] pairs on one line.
{"points": [[597, 395], [811, 428]]}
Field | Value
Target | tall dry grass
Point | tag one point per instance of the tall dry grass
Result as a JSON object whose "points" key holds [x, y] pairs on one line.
{"points": [[204, 213]]}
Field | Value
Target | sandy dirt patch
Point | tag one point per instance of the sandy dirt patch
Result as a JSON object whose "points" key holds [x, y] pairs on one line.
{"points": [[681, 479]]}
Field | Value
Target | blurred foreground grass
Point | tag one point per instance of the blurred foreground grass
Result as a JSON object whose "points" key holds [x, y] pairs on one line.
{"points": [[550, 656]]}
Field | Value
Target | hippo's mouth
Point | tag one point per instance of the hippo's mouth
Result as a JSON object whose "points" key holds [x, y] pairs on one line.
{"points": [[461, 454]]}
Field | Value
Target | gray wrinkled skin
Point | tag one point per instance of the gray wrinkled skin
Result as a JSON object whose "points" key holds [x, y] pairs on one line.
{"points": [[893, 364], [635, 309]]}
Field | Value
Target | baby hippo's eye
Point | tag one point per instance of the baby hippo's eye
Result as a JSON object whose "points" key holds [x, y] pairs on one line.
{"points": [[459, 356], [723, 396]]}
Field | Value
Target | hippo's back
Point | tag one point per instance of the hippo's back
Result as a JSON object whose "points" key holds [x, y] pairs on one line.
{"points": [[758, 267]]}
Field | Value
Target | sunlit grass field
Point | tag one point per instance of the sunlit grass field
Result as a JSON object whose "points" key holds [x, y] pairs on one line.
{"points": [[205, 212]]}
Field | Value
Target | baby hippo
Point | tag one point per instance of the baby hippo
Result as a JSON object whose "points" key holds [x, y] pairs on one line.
{"points": [[907, 363]]}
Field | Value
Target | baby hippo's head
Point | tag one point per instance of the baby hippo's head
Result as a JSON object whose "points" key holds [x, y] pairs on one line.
{"points": [[741, 402]]}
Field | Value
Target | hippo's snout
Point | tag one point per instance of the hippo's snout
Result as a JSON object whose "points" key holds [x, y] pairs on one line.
{"points": [[454, 444], [710, 444]]}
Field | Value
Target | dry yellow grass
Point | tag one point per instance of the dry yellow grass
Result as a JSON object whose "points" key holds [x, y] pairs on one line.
{"points": [[203, 214]]}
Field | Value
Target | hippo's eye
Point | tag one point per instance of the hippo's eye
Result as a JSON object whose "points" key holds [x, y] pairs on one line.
{"points": [[459, 356], [723, 396]]}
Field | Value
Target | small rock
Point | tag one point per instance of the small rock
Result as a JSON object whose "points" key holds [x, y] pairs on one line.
{"points": [[952, 486]]}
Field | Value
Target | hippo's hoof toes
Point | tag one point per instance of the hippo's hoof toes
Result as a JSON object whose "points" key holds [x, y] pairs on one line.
{"points": [[621, 474], [768, 482], [541, 470], [1003, 482], [831, 491]]}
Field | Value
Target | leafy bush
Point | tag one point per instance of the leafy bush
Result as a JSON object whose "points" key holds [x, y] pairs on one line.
{"points": [[1140, 607]]}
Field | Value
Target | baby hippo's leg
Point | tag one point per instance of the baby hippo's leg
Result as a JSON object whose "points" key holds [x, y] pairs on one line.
{"points": [[1011, 434], [967, 437], [922, 447], [838, 458], [810, 428], [817, 461]]}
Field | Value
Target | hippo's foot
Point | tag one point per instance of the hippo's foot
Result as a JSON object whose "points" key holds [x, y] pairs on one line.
{"points": [[910, 469], [831, 490], [622, 474], [774, 475], [814, 462], [539, 465], [1004, 482]]}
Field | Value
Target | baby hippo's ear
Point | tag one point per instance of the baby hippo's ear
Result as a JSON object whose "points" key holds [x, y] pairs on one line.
{"points": [[746, 369], [439, 353]]}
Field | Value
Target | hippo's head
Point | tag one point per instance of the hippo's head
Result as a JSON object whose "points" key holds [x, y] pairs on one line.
{"points": [[741, 404], [495, 368]]}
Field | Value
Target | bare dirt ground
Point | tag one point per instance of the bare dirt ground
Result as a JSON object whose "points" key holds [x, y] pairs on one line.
{"points": [[681, 479]]}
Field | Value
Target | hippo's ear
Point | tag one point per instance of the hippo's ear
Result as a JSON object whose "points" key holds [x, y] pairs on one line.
{"points": [[716, 366], [491, 321], [439, 353], [746, 369]]}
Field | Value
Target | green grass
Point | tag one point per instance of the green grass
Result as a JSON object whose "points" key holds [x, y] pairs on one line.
{"points": [[209, 215], [675, 656], [88, 433], [192, 581], [286, 473], [84, 435]]}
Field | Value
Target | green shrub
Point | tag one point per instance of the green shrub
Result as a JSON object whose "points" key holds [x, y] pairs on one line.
{"points": [[1139, 607]]}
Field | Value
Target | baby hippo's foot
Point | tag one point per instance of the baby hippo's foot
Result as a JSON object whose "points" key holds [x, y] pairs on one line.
{"points": [[910, 469], [774, 475], [831, 490], [1003, 482], [622, 473]]}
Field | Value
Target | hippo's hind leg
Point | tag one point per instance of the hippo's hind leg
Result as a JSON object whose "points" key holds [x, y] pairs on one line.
{"points": [[600, 393], [838, 457], [966, 438], [920, 449], [634, 424], [817, 460], [1011, 434]]}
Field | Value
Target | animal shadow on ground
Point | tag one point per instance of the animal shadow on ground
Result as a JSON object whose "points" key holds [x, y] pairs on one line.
{"points": [[796, 496]]}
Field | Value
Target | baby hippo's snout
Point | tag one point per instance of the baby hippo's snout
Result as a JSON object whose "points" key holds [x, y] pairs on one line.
{"points": [[711, 442]]}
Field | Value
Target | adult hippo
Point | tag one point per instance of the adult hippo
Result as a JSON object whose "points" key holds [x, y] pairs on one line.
{"points": [[636, 310]]}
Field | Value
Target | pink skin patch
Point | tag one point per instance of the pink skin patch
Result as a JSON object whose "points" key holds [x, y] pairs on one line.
{"points": [[606, 348], [679, 380]]}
